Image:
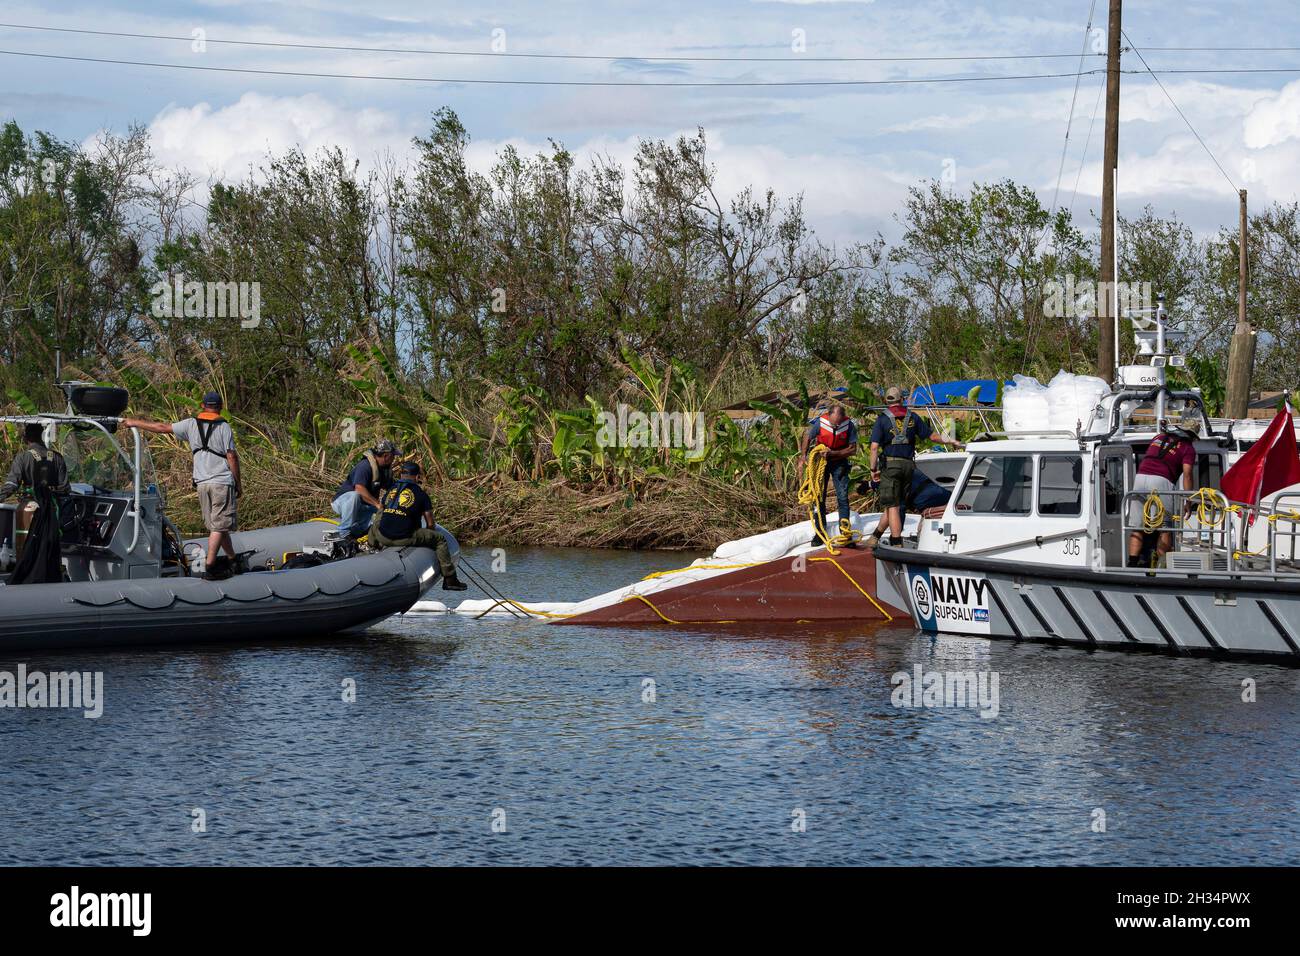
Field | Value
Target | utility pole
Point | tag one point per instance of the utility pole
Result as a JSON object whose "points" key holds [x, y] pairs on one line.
{"points": [[1106, 318], [1241, 351]]}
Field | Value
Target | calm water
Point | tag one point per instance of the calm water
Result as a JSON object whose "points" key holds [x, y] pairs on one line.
{"points": [[457, 720]]}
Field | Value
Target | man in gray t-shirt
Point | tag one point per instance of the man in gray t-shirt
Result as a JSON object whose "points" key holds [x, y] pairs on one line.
{"points": [[216, 471]]}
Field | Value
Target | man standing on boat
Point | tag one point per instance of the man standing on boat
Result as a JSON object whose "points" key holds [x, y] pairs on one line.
{"points": [[895, 434], [42, 474], [1170, 460], [399, 526], [216, 475], [839, 434], [357, 499], [26, 464]]}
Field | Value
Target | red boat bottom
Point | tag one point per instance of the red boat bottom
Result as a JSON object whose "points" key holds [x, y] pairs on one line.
{"points": [[811, 587]]}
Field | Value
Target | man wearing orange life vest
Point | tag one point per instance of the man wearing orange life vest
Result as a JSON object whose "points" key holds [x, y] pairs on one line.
{"points": [[839, 434]]}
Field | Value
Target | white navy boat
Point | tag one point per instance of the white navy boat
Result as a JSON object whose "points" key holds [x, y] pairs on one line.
{"points": [[1033, 543]]}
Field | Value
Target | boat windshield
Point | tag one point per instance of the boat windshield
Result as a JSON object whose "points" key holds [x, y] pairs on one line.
{"points": [[92, 460]]}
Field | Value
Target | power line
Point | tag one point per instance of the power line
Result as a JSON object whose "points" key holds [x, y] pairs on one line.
{"points": [[505, 82], [1083, 158], [1171, 72], [1223, 49], [285, 44], [1065, 147], [1180, 113]]}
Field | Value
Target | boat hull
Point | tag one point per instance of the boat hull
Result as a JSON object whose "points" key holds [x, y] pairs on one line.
{"points": [[1212, 615], [269, 605], [808, 587]]}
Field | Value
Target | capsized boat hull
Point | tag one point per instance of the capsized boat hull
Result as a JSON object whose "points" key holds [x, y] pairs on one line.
{"points": [[1211, 614], [268, 605], [811, 586]]}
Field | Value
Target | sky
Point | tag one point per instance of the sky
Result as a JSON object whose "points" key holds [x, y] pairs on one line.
{"points": [[851, 151]]}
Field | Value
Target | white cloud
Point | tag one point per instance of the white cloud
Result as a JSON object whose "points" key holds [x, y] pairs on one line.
{"points": [[225, 142], [846, 197], [1274, 119]]}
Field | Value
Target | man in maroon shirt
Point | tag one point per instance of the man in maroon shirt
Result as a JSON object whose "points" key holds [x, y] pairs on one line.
{"points": [[1169, 463]]}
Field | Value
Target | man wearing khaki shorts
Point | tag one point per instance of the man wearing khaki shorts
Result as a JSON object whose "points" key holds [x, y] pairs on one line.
{"points": [[216, 473]]}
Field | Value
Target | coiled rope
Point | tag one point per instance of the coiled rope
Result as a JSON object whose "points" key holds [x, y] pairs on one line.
{"points": [[810, 494]]}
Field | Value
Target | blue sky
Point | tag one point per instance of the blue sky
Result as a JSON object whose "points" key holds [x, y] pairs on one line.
{"points": [[852, 151]]}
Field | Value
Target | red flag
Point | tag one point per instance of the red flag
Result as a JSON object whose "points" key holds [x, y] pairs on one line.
{"points": [[1269, 464]]}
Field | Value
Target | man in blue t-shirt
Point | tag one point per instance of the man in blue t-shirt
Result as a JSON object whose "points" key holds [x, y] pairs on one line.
{"points": [[357, 499], [407, 521], [895, 434]]}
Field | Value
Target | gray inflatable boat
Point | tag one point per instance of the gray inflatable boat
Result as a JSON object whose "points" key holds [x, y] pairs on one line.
{"points": [[307, 602], [131, 580]]}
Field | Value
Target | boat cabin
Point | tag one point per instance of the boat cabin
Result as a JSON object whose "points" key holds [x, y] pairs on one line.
{"points": [[1070, 501]]}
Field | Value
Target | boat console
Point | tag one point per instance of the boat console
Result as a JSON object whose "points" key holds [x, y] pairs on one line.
{"points": [[111, 521]]}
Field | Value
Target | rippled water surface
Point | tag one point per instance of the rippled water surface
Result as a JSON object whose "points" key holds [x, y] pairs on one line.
{"points": [[461, 723]]}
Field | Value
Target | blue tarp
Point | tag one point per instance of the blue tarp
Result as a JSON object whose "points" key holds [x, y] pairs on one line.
{"points": [[941, 392]]}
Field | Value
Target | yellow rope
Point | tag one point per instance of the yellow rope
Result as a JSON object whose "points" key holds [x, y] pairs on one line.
{"points": [[810, 490], [524, 608], [888, 617], [700, 567], [1291, 515], [665, 618], [1212, 509], [1153, 513]]}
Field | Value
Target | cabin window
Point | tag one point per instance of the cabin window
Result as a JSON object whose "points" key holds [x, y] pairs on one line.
{"points": [[998, 484], [1060, 485], [1209, 469], [1114, 484]]}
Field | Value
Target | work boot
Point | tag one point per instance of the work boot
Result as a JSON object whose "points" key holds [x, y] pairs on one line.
{"points": [[454, 583], [872, 541], [218, 570]]}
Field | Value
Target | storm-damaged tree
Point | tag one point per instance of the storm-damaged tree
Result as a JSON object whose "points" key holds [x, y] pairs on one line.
{"points": [[300, 229], [978, 269], [746, 259], [71, 258]]}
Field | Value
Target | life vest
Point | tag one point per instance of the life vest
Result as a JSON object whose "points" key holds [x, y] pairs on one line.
{"points": [[206, 423], [43, 478], [380, 478], [833, 437], [902, 435]]}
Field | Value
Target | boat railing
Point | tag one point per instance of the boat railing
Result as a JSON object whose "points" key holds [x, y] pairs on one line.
{"points": [[1283, 507], [1210, 524]]}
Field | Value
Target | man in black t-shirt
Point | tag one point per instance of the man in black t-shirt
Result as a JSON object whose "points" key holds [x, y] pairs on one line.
{"points": [[405, 507]]}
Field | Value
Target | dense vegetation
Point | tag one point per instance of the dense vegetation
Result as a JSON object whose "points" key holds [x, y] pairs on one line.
{"points": [[486, 319]]}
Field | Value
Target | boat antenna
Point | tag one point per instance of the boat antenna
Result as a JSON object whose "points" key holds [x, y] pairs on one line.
{"points": [[58, 365]]}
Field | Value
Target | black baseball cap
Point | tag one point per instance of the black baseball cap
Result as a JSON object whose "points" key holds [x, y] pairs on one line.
{"points": [[410, 468], [212, 400]]}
